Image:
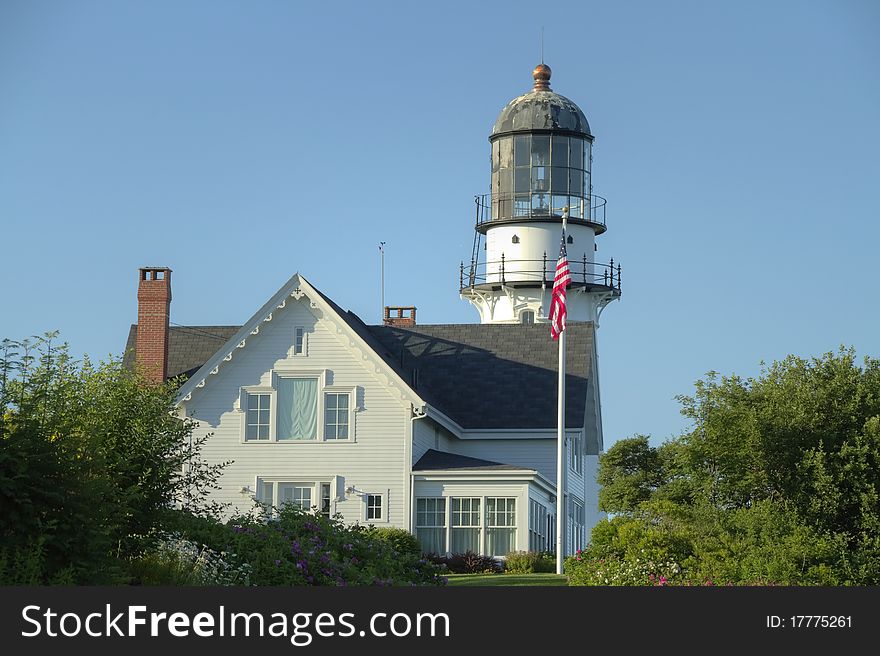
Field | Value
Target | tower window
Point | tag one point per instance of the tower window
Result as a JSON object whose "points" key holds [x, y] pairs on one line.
{"points": [[527, 316], [515, 239], [570, 239]]}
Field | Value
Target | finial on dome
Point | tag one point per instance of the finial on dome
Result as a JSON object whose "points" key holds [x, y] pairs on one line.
{"points": [[541, 74]]}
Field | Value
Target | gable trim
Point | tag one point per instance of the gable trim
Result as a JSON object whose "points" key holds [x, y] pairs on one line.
{"points": [[296, 287]]}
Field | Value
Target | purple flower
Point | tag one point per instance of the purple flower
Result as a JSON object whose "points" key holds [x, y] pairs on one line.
{"points": [[277, 563]]}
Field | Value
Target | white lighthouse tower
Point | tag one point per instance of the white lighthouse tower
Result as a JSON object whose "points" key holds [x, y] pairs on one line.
{"points": [[541, 164]]}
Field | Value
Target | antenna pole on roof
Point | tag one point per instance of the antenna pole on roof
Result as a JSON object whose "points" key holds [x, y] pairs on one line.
{"points": [[382, 280]]}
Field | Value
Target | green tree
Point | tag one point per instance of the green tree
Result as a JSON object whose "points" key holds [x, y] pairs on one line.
{"points": [[777, 481], [92, 458]]}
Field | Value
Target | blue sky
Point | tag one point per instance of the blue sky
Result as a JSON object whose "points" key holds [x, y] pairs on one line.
{"points": [[238, 142]]}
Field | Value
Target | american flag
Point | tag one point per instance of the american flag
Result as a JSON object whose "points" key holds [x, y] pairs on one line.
{"points": [[557, 300]]}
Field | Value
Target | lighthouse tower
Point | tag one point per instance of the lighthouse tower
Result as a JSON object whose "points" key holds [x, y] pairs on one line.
{"points": [[541, 166]]}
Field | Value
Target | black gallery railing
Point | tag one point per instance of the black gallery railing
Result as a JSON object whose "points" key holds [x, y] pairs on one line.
{"points": [[504, 271]]}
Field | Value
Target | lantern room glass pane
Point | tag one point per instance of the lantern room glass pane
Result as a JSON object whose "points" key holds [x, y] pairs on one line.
{"points": [[522, 180], [505, 182], [559, 179], [576, 181], [506, 152], [540, 150], [559, 153], [577, 153], [521, 150], [559, 202], [540, 203], [495, 155], [521, 205], [540, 181], [588, 155]]}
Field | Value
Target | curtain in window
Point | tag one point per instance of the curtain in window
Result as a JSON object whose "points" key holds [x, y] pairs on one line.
{"points": [[433, 540], [500, 541], [297, 409]]}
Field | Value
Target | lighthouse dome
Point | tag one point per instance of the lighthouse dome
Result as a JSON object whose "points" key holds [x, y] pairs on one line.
{"points": [[541, 109]]}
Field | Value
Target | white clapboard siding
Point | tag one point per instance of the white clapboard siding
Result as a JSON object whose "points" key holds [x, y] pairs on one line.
{"points": [[374, 463], [537, 454]]}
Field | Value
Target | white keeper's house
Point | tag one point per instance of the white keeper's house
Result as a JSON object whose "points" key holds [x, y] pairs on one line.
{"points": [[448, 431]]}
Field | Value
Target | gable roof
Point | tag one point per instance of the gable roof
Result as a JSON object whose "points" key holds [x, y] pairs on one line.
{"points": [[296, 287], [481, 376], [433, 460]]}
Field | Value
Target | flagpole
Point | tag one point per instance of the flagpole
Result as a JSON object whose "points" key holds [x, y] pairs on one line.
{"points": [[560, 446]]}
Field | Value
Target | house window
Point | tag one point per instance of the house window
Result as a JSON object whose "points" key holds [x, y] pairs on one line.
{"points": [[296, 494], [296, 408], [258, 416], [336, 415], [551, 532], [465, 525], [374, 507], [266, 494], [527, 316], [576, 521], [537, 526], [500, 526], [297, 414], [299, 340], [325, 499], [431, 524], [577, 453]]}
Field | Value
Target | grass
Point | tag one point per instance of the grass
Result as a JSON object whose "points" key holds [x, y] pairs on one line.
{"points": [[506, 579]]}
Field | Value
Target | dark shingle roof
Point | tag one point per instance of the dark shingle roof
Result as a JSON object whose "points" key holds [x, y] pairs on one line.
{"points": [[433, 460], [189, 347], [492, 375]]}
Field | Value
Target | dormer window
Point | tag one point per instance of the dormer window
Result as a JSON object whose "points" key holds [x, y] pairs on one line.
{"points": [[527, 316]]}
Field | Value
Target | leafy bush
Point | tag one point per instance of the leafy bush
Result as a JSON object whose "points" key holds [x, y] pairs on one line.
{"points": [[400, 539], [296, 547], [469, 562], [177, 561], [530, 562]]}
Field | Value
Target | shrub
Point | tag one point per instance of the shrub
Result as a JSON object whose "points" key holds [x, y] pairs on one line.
{"points": [[472, 563], [296, 547], [401, 540], [178, 561], [530, 562]]}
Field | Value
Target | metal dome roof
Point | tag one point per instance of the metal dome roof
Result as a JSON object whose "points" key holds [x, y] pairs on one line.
{"points": [[541, 109]]}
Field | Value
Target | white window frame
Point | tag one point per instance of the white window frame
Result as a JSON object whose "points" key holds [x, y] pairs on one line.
{"points": [[538, 526], [350, 393], [383, 500], [445, 515], [506, 512], [244, 392], [304, 347], [322, 390], [481, 534], [522, 316], [576, 523], [576, 453]]}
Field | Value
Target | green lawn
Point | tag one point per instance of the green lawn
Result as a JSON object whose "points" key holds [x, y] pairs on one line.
{"points": [[506, 579]]}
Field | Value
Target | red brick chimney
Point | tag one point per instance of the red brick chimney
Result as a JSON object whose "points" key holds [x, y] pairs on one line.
{"points": [[154, 303], [400, 316]]}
